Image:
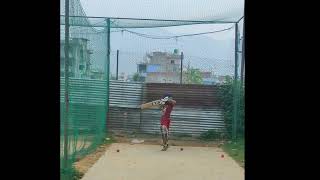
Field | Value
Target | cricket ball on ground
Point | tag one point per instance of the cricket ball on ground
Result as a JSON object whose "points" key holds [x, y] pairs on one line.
{"points": [[118, 150], [181, 149]]}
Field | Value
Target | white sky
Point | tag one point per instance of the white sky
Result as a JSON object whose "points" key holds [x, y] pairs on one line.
{"points": [[165, 9], [231, 10], [212, 10], [190, 29]]}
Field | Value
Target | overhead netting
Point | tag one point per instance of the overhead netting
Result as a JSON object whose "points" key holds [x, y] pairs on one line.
{"points": [[176, 12], [196, 38]]}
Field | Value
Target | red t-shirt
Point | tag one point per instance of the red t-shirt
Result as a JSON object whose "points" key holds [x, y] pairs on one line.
{"points": [[165, 118], [166, 112]]}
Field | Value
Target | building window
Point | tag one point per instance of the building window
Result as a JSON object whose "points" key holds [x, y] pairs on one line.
{"points": [[172, 61]]}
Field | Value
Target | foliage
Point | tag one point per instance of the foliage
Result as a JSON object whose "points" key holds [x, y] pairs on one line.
{"points": [[71, 173], [193, 76], [235, 149], [226, 97], [211, 134], [136, 77]]}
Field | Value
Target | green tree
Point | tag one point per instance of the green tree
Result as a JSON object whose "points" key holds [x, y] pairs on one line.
{"points": [[136, 77], [226, 99], [193, 76]]}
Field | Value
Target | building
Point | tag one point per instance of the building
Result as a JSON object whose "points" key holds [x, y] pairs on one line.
{"points": [[207, 78], [160, 67], [142, 71], [79, 56], [222, 79]]}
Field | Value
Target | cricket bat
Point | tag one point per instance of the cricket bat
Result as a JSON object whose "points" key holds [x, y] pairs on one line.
{"points": [[150, 104]]}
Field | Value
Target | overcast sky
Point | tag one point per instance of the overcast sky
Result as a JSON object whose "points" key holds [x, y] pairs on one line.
{"points": [[228, 10], [220, 47]]}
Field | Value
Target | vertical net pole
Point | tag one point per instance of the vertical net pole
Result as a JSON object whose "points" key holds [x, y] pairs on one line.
{"points": [[242, 92], [66, 51], [243, 53], [181, 68], [235, 89], [117, 64], [243, 46], [108, 68]]}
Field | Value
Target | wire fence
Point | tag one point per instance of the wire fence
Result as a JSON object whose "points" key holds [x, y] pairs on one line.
{"points": [[142, 54], [100, 49], [83, 89], [170, 67]]}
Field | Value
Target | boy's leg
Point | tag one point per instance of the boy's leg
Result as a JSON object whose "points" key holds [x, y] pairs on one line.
{"points": [[163, 135], [164, 132], [167, 133]]}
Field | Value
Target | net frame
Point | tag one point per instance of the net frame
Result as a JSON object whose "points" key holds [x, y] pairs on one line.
{"points": [[104, 24]]}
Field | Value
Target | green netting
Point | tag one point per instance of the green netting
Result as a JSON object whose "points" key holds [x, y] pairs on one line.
{"points": [[206, 40], [85, 127]]}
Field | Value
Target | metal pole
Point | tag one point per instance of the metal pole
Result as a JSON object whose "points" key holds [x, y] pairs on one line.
{"points": [[66, 92], [235, 89], [181, 68], [141, 102], [243, 52], [108, 67], [117, 64]]}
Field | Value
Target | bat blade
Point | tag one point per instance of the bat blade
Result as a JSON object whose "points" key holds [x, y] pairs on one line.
{"points": [[150, 104]]}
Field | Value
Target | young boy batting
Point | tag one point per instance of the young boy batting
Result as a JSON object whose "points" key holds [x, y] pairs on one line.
{"points": [[166, 106]]}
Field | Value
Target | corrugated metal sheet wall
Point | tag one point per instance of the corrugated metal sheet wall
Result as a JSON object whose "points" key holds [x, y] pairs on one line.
{"points": [[197, 108], [87, 103], [85, 91], [184, 121], [124, 99], [125, 94], [187, 95]]}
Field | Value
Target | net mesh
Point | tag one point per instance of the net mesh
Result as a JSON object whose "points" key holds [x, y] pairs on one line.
{"points": [[211, 57], [87, 96], [183, 11], [204, 43], [85, 127]]}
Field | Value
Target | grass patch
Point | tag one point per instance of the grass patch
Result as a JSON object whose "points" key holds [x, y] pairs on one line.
{"points": [[109, 139], [235, 149], [77, 175], [71, 174]]}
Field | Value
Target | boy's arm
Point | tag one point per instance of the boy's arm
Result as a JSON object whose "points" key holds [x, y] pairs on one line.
{"points": [[172, 101]]}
